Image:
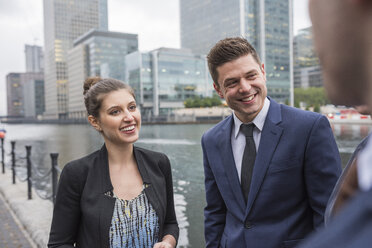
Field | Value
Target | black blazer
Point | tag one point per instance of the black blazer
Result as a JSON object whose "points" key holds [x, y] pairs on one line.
{"points": [[83, 212]]}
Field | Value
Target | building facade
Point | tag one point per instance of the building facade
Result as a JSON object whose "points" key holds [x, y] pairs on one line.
{"points": [[307, 71], [25, 94], [78, 64], [14, 92], [266, 24], [34, 58], [64, 21], [96, 53], [164, 78]]}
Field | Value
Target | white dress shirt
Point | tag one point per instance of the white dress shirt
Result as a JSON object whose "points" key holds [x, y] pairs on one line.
{"points": [[238, 138], [364, 167]]}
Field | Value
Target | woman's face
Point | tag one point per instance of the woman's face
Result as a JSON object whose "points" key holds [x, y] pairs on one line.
{"points": [[119, 118]]}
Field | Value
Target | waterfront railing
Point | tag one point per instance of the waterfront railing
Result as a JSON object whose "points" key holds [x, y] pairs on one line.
{"points": [[33, 175]]}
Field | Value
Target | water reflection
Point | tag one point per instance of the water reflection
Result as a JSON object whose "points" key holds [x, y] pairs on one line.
{"points": [[180, 142], [348, 136]]}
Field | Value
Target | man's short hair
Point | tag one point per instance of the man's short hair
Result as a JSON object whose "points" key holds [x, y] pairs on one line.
{"points": [[228, 50]]}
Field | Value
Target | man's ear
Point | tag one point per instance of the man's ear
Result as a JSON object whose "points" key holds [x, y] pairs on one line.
{"points": [[218, 90], [263, 70], [94, 122]]}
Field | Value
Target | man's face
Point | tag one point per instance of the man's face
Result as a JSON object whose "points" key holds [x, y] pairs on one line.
{"points": [[242, 83], [339, 44]]}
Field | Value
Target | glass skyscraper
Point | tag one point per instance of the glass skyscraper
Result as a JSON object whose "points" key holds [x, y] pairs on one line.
{"points": [[307, 70], [164, 78], [64, 21], [96, 53], [266, 24], [34, 58]]}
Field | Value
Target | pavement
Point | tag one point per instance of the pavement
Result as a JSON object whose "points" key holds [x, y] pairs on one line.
{"points": [[12, 234], [23, 223]]}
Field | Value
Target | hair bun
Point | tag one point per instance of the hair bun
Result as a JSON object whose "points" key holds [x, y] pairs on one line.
{"points": [[89, 82]]}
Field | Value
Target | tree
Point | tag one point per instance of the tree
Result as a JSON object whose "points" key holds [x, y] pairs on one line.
{"points": [[205, 102], [312, 96]]}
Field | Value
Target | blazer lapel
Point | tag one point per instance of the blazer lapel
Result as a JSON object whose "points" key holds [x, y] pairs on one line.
{"points": [[270, 137], [228, 162], [107, 202], [150, 189]]}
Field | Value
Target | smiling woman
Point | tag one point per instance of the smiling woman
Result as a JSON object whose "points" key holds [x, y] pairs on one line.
{"points": [[121, 195], [114, 113]]}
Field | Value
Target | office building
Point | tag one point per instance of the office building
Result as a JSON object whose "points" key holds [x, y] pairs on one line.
{"points": [[25, 94], [96, 53], [64, 21], [307, 71], [14, 92], [164, 78], [34, 58], [77, 73], [266, 24]]}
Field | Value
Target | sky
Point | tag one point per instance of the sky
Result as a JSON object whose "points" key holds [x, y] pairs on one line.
{"points": [[155, 22]]}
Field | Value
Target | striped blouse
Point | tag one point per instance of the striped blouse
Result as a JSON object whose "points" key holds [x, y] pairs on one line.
{"points": [[134, 223]]}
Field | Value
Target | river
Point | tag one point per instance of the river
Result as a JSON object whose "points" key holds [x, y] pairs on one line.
{"points": [[180, 142]]}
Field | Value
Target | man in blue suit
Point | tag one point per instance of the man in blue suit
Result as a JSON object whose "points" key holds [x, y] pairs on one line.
{"points": [[267, 188]]}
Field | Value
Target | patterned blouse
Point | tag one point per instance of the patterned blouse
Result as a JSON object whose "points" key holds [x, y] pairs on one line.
{"points": [[134, 223]]}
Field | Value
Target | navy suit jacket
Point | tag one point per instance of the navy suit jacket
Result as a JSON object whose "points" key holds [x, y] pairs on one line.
{"points": [[296, 168]]}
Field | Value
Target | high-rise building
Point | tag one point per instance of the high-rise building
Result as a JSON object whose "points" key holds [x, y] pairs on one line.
{"points": [[78, 64], [64, 21], [164, 78], [266, 24], [96, 53], [307, 71], [34, 58], [25, 94], [14, 92]]}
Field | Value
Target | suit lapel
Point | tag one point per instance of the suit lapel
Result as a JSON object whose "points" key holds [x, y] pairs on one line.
{"points": [[270, 138], [228, 162]]}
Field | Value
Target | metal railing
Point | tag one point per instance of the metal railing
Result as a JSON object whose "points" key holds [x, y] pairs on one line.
{"points": [[33, 174]]}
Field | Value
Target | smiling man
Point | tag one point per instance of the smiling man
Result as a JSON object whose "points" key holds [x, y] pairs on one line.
{"points": [[269, 168]]}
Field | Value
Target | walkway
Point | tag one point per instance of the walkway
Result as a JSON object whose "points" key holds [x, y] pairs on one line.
{"points": [[11, 235]]}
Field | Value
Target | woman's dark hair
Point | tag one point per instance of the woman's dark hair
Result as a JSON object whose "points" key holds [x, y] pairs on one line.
{"points": [[95, 88]]}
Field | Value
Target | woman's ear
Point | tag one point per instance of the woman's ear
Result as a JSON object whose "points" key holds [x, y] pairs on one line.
{"points": [[94, 122]]}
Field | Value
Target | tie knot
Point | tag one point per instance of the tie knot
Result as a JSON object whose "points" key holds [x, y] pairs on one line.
{"points": [[247, 129]]}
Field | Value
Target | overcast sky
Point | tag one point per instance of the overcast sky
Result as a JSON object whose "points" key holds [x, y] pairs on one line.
{"points": [[155, 22]]}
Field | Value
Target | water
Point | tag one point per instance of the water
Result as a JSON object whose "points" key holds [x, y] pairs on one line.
{"points": [[180, 142]]}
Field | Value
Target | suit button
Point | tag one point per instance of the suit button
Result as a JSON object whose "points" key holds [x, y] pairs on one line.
{"points": [[247, 225]]}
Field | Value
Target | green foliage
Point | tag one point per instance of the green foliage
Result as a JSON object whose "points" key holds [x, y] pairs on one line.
{"points": [[313, 97], [198, 102]]}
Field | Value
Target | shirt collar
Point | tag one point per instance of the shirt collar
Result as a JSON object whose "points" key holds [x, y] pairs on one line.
{"points": [[258, 121]]}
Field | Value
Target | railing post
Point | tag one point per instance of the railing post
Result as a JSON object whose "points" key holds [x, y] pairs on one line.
{"points": [[2, 155], [54, 157], [29, 175], [13, 161]]}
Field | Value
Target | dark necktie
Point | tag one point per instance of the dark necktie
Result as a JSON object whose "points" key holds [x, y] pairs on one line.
{"points": [[249, 156]]}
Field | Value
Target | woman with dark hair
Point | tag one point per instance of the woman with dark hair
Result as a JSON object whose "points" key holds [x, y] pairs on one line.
{"points": [[120, 195]]}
